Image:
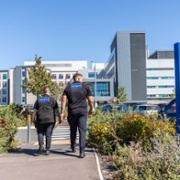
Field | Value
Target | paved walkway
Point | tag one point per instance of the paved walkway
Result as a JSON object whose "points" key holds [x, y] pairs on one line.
{"points": [[61, 164]]}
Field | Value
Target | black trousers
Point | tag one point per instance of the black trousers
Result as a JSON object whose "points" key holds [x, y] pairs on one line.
{"points": [[46, 130], [78, 121]]}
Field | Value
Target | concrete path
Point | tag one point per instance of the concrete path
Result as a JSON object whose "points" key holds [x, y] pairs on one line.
{"points": [[61, 164]]}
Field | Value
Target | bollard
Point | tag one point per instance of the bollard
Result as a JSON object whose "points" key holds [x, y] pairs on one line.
{"points": [[28, 127]]}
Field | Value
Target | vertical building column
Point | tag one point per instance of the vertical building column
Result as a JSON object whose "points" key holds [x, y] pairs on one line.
{"points": [[177, 85]]}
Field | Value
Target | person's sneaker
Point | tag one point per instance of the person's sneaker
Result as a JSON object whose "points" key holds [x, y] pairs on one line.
{"points": [[47, 152], [82, 154]]}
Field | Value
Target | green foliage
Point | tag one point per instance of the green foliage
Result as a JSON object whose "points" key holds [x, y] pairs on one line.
{"points": [[162, 161], [38, 77], [173, 95], [141, 147], [128, 160], [100, 137], [121, 94], [8, 128], [102, 131], [135, 127], [119, 128], [23, 117]]}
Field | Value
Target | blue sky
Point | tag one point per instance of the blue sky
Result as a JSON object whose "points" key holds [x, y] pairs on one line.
{"points": [[81, 29]]}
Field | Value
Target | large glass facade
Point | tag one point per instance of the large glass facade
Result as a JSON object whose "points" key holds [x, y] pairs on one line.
{"points": [[102, 88]]}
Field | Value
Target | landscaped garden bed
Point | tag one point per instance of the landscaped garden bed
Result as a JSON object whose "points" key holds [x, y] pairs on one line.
{"points": [[133, 146]]}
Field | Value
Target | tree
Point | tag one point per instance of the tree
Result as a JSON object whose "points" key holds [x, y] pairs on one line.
{"points": [[121, 94], [37, 78], [173, 95]]}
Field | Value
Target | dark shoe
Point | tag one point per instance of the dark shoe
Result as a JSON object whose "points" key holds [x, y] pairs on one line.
{"points": [[82, 154], [47, 152], [73, 150], [40, 151]]}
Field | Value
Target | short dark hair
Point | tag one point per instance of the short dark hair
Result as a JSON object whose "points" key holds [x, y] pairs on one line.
{"points": [[77, 74], [46, 89]]}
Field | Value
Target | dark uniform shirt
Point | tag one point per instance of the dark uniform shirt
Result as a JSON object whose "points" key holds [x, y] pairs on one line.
{"points": [[77, 94], [45, 106]]}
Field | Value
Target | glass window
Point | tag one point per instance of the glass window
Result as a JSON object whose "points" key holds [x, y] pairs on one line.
{"points": [[23, 81], [102, 89], [23, 99], [68, 76], [53, 76], [4, 76], [23, 90], [61, 76], [91, 75], [61, 83], [4, 99], [4, 84], [4, 91], [23, 73]]}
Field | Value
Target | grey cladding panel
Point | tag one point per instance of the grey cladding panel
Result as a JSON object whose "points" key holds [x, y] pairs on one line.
{"points": [[138, 66]]}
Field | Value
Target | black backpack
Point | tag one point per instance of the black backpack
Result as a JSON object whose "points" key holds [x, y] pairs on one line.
{"points": [[45, 113]]}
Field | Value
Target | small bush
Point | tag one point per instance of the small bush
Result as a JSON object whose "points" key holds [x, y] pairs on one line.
{"points": [[161, 162], [101, 131], [135, 127], [100, 137], [8, 128]]}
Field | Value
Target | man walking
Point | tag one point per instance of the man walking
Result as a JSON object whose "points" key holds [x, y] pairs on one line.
{"points": [[77, 95], [45, 109]]}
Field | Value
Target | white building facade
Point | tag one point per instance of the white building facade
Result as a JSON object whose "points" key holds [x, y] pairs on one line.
{"points": [[160, 75], [144, 78]]}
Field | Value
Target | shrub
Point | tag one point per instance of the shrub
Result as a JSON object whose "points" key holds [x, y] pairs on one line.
{"points": [[23, 117], [101, 131], [100, 137], [135, 127], [161, 162], [119, 128], [128, 161], [8, 128], [142, 147]]}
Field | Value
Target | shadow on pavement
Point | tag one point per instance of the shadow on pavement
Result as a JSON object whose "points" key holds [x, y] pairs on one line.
{"points": [[33, 152]]}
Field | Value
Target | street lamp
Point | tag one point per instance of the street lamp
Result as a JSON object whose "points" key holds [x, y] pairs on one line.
{"points": [[95, 101]]}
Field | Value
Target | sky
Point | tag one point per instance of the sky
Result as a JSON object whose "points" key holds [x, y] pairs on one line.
{"points": [[81, 29]]}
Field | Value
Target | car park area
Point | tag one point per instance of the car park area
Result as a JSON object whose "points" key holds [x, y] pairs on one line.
{"points": [[116, 107], [146, 109]]}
